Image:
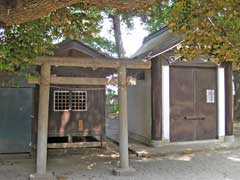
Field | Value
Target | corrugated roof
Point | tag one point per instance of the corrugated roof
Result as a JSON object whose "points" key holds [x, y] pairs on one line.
{"points": [[156, 43]]}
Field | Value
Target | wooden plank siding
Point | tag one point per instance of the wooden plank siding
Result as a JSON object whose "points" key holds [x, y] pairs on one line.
{"points": [[93, 119]]}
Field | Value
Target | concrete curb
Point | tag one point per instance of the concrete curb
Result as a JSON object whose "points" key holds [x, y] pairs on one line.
{"points": [[165, 149], [156, 152]]}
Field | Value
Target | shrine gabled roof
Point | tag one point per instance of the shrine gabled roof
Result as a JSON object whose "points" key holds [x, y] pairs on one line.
{"points": [[81, 47], [157, 43]]}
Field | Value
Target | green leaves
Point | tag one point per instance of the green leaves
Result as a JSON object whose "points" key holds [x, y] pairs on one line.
{"points": [[157, 16], [20, 44], [211, 28]]}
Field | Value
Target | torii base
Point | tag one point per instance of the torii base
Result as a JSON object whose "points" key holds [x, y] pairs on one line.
{"points": [[124, 172], [47, 176]]}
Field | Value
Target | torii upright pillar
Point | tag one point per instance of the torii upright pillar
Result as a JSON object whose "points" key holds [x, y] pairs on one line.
{"points": [[123, 131], [41, 165]]}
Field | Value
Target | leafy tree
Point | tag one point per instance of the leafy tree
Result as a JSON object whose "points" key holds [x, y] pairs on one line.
{"points": [[20, 44], [157, 16], [119, 18], [19, 11], [210, 28], [103, 44]]}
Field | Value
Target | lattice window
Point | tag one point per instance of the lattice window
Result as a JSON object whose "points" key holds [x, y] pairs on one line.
{"points": [[70, 100], [61, 100], [79, 100]]}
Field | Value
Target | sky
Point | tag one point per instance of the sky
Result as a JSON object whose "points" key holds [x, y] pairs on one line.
{"points": [[132, 39]]}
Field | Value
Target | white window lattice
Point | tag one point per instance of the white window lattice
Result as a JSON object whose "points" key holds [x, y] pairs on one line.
{"points": [[79, 100], [70, 100]]}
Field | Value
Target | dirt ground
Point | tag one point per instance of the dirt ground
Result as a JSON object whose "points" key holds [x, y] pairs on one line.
{"points": [[93, 164]]}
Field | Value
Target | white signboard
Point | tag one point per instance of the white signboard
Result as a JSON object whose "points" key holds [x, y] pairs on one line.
{"points": [[210, 96]]}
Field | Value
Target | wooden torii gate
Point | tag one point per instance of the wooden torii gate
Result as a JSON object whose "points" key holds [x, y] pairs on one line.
{"points": [[46, 80]]}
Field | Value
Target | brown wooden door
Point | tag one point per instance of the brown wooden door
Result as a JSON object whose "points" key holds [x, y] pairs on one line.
{"points": [[193, 114]]}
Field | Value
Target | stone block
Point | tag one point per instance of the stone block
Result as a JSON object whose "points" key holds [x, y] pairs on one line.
{"points": [[124, 172], [47, 176]]}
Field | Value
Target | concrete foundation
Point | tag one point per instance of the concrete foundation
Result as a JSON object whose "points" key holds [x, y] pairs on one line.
{"points": [[162, 143], [221, 138], [155, 143], [124, 172], [229, 139], [47, 176]]}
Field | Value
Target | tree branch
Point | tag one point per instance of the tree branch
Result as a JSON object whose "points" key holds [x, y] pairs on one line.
{"points": [[215, 27], [19, 11]]}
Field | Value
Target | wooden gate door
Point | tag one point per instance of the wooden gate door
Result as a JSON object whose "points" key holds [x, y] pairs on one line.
{"points": [[193, 103]]}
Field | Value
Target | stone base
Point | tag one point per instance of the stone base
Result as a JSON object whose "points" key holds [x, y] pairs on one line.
{"points": [[47, 176], [123, 172], [221, 138], [229, 139], [155, 143]]}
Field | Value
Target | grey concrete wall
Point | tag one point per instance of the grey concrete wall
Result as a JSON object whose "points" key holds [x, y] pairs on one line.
{"points": [[139, 110]]}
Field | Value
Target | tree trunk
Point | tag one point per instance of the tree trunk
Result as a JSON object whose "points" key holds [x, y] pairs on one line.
{"points": [[118, 35]]}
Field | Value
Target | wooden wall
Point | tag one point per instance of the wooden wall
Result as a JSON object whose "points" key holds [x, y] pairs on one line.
{"points": [[93, 119], [156, 99], [140, 110]]}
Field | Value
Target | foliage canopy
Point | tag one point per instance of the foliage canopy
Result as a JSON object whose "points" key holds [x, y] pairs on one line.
{"points": [[20, 44], [210, 28]]}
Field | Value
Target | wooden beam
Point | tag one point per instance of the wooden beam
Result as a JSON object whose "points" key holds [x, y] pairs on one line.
{"points": [[33, 81], [93, 62], [75, 145], [72, 81], [83, 81], [78, 81]]}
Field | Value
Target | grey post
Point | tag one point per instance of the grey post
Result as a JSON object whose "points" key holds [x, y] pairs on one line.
{"points": [[43, 119], [123, 134]]}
